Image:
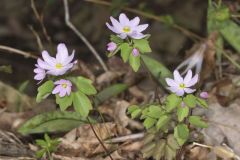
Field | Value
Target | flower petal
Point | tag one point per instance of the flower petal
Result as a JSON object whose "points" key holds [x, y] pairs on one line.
{"points": [[47, 58], [141, 27], [180, 92], [113, 29], [69, 58], [62, 93], [188, 77], [177, 77], [189, 90], [122, 35], [135, 21], [62, 53], [57, 89], [123, 19], [42, 64], [171, 82], [68, 90], [193, 81], [136, 35], [173, 89], [116, 25]]}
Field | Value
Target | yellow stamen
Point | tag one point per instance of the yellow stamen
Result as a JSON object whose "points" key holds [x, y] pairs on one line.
{"points": [[64, 85], [126, 29], [182, 85], [58, 65]]}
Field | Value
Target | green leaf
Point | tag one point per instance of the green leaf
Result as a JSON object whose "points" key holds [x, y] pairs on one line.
{"points": [[47, 138], [142, 45], [52, 122], [41, 143], [44, 90], [84, 85], [231, 33], [158, 70], [126, 50], [40, 153], [197, 121], [172, 102], [109, 92], [134, 62], [181, 133], [116, 39], [132, 108], [201, 102], [136, 113], [149, 122], [155, 111], [64, 102], [162, 121], [182, 112], [81, 103], [190, 100]]}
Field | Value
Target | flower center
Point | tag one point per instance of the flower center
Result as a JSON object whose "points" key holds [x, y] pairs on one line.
{"points": [[64, 85], [126, 29], [58, 66], [182, 85]]}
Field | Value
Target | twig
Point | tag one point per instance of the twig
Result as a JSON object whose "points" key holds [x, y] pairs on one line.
{"points": [[202, 145], [151, 16], [39, 42], [40, 19], [81, 36], [230, 59], [17, 51], [125, 138], [104, 147]]}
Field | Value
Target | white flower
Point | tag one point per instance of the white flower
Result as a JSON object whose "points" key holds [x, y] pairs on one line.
{"points": [[180, 85], [125, 27], [59, 65]]}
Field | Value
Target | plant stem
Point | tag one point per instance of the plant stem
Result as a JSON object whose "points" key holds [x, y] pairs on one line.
{"points": [[104, 147]]}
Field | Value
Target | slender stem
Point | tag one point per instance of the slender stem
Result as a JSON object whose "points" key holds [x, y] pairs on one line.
{"points": [[49, 154], [81, 36], [17, 51], [104, 147], [125, 138], [201, 145]]}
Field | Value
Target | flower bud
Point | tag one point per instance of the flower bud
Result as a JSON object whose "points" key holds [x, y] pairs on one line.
{"points": [[204, 95], [135, 52], [111, 46]]}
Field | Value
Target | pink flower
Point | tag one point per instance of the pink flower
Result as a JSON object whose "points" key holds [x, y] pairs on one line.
{"points": [[40, 73], [59, 65], [125, 27], [62, 88], [111, 46], [204, 95], [135, 52], [180, 85]]}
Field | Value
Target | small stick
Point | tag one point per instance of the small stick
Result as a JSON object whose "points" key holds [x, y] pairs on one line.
{"points": [[17, 51], [125, 138], [202, 145], [39, 42], [81, 36], [104, 147], [40, 19]]}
